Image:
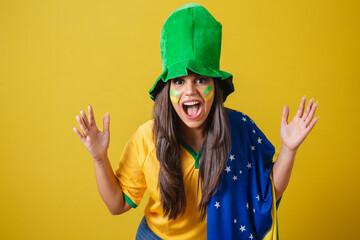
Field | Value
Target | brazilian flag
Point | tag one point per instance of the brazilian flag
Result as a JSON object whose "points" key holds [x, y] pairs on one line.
{"points": [[244, 206]]}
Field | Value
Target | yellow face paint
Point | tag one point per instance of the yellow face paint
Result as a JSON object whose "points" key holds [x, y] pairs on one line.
{"points": [[208, 97], [174, 99]]}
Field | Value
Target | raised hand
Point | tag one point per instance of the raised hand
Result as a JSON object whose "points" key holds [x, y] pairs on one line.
{"points": [[294, 133], [96, 142]]}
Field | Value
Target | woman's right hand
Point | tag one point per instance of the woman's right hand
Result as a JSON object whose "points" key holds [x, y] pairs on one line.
{"points": [[96, 142]]}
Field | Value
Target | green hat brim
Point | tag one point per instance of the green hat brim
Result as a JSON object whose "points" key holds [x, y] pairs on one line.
{"points": [[180, 69]]}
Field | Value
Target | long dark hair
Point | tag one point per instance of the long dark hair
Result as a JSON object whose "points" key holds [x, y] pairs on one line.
{"points": [[213, 157]]}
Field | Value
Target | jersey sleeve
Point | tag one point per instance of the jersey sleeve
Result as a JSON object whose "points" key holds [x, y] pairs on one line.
{"points": [[130, 171]]}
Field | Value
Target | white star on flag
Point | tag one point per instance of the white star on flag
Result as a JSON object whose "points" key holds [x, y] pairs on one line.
{"points": [[227, 169], [252, 147], [254, 131], [242, 228], [244, 119], [247, 205], [251, 236], [235, 220], [258, 197], [232, 157], [240, 172], [249, 165], [254, 210], [259, 140], [217, 205], [234, 177]]}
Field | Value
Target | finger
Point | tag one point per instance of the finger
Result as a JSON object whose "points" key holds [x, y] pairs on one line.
{"points": [[83, 128], [85, 119], [91, 116], [308, 108], [285, 116], [78, 133], [311, 114], [301, 107], [312, 124], [106, 123]]}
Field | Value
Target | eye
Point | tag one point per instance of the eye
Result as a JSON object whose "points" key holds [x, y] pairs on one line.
{"points": [[201, 80], [177, 81]]}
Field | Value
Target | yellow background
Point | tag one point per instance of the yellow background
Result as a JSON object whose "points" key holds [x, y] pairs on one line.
{"points": [[58, 56]]}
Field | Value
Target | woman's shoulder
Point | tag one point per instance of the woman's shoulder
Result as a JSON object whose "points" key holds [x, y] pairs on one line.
{"points": [[237, 116], [143, 134], [240, 120], [242, 124], [145, 129]]}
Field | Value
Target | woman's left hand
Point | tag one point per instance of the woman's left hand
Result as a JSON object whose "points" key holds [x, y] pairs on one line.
{"points": [[294, 133]]}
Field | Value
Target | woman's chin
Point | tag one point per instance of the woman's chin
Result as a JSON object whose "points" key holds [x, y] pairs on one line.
{"points": [[193, 124]]}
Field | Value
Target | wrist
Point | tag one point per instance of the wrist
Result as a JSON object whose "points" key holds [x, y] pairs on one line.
{"points": [[101, 159], [288, 151]]}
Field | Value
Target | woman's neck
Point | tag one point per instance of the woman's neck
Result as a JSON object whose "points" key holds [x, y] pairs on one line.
{"points": [[194, 137]]}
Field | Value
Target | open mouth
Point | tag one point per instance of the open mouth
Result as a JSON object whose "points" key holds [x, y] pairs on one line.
{"points": [[192, 109]]}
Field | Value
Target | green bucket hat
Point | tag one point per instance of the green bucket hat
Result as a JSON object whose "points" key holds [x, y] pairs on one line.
{"points": [[191, 40]]}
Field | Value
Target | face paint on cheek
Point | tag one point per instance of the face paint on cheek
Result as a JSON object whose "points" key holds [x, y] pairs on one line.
{"points": [[207, 89], [175, 93], [210, 93], [174, 98]]}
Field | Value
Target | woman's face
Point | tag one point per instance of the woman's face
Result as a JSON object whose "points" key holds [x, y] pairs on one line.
{"points": [[192, 97]]}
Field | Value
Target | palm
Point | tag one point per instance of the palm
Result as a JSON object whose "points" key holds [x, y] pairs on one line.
{"points": [[294, 133], [95, 141]]}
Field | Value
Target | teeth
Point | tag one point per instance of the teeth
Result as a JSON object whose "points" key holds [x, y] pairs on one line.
{"points": [[190, 103]]}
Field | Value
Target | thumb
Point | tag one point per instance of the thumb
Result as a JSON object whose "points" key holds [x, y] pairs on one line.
{"points": [[106, 123], [285, 115]]}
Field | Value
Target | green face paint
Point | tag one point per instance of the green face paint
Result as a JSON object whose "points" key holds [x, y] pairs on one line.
{"points": [[207, 89], [175, 93], [174, 98]]}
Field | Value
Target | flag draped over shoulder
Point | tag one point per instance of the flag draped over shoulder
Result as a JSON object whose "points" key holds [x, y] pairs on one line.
{"points": [[244, 206]]}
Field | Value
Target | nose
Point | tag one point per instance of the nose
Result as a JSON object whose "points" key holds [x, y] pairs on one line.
{"points": [[190, 88]]}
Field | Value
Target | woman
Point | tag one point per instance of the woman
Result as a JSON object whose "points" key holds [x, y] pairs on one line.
{"points": [[209, 171]]}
